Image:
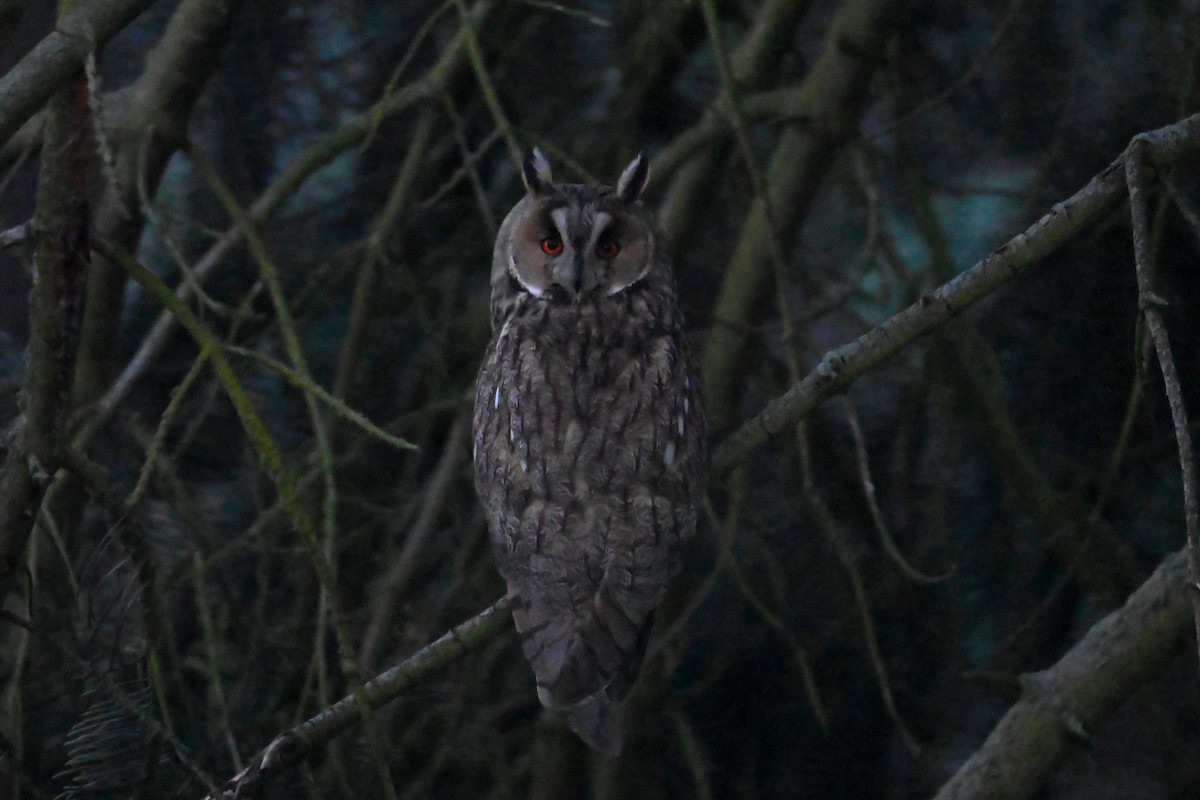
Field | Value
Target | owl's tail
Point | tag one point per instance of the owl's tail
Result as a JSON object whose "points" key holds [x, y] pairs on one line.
{"points": [[585, 665], [597, 720], [604, 652]]}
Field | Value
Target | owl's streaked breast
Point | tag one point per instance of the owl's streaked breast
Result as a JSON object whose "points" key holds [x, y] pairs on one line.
{"points": [[588, 394]]}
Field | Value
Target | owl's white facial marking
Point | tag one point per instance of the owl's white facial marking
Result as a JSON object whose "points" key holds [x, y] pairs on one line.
{"points": [[559, 216], [603, 220], [534, 290], [573, 269], [496, 399]]}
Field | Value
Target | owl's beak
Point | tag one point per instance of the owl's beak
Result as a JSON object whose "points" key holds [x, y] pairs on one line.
{"points": [[571, 274]]}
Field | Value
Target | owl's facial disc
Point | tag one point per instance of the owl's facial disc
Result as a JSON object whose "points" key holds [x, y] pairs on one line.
{"points": [[568, 248], [538, 252], [623, 248]]}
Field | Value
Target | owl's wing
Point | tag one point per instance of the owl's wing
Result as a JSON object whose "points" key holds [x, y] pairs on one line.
{"points": [[644, 488], [586, 513]]}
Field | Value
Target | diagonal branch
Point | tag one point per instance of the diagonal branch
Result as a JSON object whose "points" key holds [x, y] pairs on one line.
{"points": [[1069, 700], [292, 746], [829, 102], [842, 367], [289, 180]]}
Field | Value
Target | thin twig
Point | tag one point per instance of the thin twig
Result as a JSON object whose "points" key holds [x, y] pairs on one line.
{"points": [[398, 202], [881, 526], [470, 167], [981, 60], [569, 12], [395, 580], [289, 180], [490, 97], [849, 562], [306, 383], [1190, 215], [1151, 305], [693, 756]]}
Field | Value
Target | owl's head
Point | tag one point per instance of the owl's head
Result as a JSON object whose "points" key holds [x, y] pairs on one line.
{"points": [[565, 242]]}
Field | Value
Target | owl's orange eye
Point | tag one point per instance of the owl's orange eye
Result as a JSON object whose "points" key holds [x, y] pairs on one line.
{"points": [[607, 249], [551, 245]]}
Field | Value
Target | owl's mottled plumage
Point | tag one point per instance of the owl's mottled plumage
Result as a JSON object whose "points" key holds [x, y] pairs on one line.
{"points": [[590, 437]]}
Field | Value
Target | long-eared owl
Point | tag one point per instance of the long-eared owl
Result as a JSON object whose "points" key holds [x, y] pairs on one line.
{"points": [[590, 437]]}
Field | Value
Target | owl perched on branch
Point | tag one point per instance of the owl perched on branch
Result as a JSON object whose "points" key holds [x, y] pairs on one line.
{"points": [[590, 437]]}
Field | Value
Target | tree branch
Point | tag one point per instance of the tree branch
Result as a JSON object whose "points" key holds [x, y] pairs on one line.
{"points": [[61, 222], [832, 96], [292, 746], [842, 367], [295, 174], [27, 86], [1070, 699], [1151, 304], [143, 138]]}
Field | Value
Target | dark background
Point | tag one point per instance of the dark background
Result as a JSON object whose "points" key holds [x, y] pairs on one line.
{"points": [[992, 444]]}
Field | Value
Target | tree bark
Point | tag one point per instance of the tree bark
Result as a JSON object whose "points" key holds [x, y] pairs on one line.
{"points": [[835, 91], [27, 86], [1060, 707]]}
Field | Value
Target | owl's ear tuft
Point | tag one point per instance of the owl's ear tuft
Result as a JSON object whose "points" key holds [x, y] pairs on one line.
{"points": [[633, 179], [536, 172]]}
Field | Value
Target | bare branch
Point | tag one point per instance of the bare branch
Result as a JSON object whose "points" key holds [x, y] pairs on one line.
{"points": [[54, 304], [295, 174], [833, 93], [291, 747], [1119, 654], [142, 139], [1151, 304], [25, 87], [841, 367]]}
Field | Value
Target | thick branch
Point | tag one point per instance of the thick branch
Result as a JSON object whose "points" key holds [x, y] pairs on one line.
{"points": [[751, 64], [1070, 699], [295, 174], [143, 139], [841, 367], [60, 270], [27, 86], [830, 100]]}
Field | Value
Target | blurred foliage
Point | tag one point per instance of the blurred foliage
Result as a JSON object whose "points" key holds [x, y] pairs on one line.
{"points": [[991, 444]]}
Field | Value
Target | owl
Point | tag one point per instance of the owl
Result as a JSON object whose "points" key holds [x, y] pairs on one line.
{"points": [[590, 440]]}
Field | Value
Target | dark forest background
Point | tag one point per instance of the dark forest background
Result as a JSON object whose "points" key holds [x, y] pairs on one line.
{"points": [[202, 545]]}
